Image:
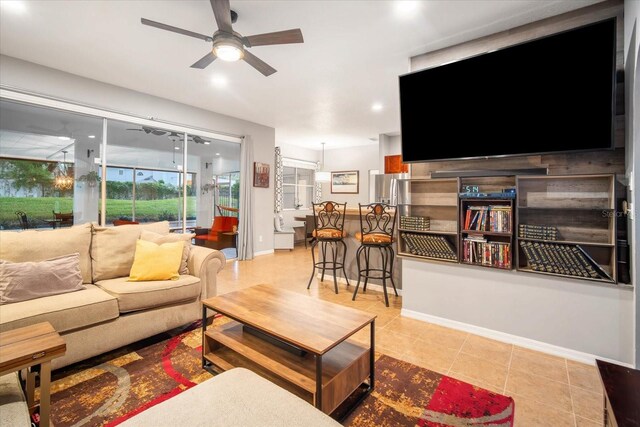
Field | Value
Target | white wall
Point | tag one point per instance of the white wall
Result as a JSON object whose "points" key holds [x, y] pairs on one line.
{"points": [[18, 74], [577, 316], [361, 159], [632, 113], [574, 317]]}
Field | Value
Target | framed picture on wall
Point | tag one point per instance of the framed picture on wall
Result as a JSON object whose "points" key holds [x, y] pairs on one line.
{"points": [[345, 182], [261, 174]]}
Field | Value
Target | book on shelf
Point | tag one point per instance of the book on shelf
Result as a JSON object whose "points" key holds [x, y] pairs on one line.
{"points": [[494, 218], [477, 250], [416, 223], [563, 259], [539, 232], [596, 266], [429, 245]]}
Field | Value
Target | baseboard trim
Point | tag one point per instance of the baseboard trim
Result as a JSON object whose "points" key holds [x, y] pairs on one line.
{"points": [[267, 252], [567, 353], [353, 282]]}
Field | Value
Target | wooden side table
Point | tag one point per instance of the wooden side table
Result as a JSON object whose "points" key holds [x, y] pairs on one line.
{"points": [[234, 234], [27, 347], [621, 394]]}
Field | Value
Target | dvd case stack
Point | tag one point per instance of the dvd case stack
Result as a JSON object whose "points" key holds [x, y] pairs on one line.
{"points": [[570, 260], [417, 223], [539, 232], [488, 218], [477, 250], [429, 245]]}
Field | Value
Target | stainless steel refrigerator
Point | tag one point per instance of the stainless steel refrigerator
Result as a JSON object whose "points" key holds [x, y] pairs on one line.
{"points": [[386, 187]]}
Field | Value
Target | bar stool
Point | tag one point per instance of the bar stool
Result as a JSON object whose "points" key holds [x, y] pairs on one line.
{"points": [[328, 220], [377, 223]]}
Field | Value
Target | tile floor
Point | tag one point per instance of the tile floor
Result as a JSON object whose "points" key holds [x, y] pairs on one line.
{"points": [[548, 390]]}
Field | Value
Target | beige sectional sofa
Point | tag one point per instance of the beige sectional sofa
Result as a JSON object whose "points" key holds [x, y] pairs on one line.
{"points": [[110, 312]]}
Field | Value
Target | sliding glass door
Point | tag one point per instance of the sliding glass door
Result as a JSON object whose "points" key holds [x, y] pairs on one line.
{"points": [[48, 175], [54, 164]]}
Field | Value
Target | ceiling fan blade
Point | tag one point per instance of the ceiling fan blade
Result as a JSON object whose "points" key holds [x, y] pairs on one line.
{"points": [[222, 12], [204, 61], [258, 64], [175, 29], [278, 37]]}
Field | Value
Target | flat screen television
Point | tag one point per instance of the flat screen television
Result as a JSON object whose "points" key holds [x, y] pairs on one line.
{"points": [[550, 95]]}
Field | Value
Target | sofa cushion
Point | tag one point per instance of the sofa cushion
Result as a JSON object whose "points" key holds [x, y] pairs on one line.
{"points": [[135, 296], [23, 281], [65, 312], [35, 245], [113, 248], [169, 238]]}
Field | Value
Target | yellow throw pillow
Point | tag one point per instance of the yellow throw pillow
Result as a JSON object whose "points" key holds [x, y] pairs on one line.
{"points": [[156, 262]]}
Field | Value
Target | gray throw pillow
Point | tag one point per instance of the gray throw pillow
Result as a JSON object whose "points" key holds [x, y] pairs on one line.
{"points": [[22, 281]]}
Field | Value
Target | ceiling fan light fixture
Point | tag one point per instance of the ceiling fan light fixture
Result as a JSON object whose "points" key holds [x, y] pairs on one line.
{"points": [[228, 49]]}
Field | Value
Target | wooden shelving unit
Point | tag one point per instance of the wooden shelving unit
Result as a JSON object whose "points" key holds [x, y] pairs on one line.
{"points": [[582, 210], [572, 212], [436, 199], [497, 250], [486, 219]]}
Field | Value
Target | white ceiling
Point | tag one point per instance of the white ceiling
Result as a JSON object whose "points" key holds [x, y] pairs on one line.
{"points": [[353, 53]]}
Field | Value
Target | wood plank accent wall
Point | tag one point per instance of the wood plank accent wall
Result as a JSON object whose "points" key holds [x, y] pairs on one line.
{"points": [[612, 161]]}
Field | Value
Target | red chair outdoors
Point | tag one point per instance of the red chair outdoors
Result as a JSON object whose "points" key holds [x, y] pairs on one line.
{"points": [[221, 235]]}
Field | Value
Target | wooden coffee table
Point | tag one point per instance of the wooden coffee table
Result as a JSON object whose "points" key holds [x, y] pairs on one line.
{"points": [[24, 348], [296, 341]]}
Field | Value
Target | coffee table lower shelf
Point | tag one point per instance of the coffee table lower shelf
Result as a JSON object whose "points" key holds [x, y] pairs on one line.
{"points": [[344, 368]]}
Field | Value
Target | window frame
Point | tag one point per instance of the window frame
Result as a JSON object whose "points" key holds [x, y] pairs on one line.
{"points": [[297, 186]]}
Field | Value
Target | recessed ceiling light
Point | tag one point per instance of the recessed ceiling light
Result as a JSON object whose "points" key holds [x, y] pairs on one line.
{"points": [[376, 107], [176, 148], [91, 136], [64, 138], [406, 8], [217, 154], [219, 81], [15, 6]]}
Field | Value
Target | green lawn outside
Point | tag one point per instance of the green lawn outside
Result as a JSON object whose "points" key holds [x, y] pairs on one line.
{"points": [[39, 209]]}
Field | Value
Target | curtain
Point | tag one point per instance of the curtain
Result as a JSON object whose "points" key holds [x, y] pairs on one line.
{"points": [[245, 228], [277, 207]]}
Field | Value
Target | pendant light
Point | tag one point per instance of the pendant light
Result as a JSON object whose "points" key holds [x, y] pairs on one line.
{"points": [[63, 180], [321, 175]]}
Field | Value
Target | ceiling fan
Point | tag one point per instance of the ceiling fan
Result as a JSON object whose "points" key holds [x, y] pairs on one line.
{"points": [[150, 130], [159, 132], [229, 45]]}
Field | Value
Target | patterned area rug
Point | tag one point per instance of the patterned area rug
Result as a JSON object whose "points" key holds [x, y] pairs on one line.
{"points": [[108, 389], [408, 395]]}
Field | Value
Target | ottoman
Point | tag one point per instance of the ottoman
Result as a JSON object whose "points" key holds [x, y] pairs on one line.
{"points": [[235, 398], [14, 411]]}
